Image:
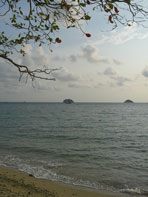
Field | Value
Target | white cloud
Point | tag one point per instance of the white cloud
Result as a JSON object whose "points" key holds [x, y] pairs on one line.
{"points": [[91, 54], [43, 86], [36, 57], [65, 75], [11, 84], [8, 75], [120, 37]]}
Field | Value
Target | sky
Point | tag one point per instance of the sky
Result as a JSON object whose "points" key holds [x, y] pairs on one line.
{"points": [[111, 66]]}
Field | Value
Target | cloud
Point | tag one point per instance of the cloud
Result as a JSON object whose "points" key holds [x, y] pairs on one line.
{"points": [[91, 54], [117, 62], [65, 75], [120, 81], [43, 86], [114, 75], [110, 71], [8, 75], [58, 58], [145, 72], [77, 85], [35, 57], [38, 58], [73, 58], [120, 37], [99, 85]]}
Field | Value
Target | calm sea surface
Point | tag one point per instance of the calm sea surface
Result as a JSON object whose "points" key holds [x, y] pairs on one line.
{"points": [[101, 145]]}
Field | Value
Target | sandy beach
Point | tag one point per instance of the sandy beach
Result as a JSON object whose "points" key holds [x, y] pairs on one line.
{"points": [[14, 183]]}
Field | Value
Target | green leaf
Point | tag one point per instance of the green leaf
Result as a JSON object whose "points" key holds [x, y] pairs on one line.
{"points": [[50, 39], [87, 17], [56, 27], [41, 13], [21, 12], [128, 1], [47, 28], [47, 17], [82, 4], [27, 17]]}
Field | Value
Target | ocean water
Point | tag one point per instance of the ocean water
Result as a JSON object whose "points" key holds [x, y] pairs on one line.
{"points": [[97, 145]]}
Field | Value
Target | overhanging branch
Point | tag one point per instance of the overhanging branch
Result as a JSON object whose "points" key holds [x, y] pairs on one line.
{"points": [[33, 74]]}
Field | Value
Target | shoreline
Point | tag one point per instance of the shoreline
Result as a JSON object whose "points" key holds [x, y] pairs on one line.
{"points": [[17, 184]]}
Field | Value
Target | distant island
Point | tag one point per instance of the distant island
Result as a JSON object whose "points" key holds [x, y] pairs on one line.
{"points": [[68, 101], [128, 101]]}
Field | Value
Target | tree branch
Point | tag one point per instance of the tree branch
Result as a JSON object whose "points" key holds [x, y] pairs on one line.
{"points": [[33, 74]]}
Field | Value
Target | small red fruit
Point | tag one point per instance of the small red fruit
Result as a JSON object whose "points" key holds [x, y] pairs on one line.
{"points": [[17, 1], [116, 10], [88, 2], [64, 4], [88, 35], [58, 40], [22, 52], [110, 18]]}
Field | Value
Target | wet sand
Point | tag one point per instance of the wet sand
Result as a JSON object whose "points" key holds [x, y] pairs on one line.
{"points": [[14, 183]]}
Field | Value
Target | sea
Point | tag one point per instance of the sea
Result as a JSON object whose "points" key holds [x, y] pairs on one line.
{"points": [[103, 146]]}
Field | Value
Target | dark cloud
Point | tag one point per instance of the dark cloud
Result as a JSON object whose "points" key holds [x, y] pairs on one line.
{"points": [[110, 71], [76, 85], [58, 58], [73, 58], [145, 72], [99, 85], [117, 62], [120, 81]]}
